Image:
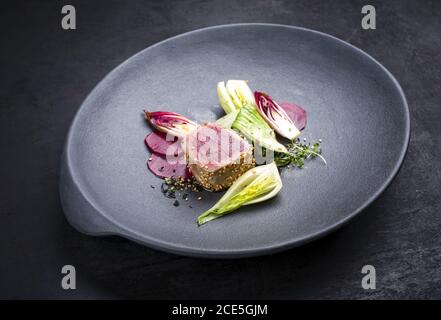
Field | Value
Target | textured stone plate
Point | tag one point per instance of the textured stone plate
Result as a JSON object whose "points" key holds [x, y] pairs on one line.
{"points": [[354, 104]]}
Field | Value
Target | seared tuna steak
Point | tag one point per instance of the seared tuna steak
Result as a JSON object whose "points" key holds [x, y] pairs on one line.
{"points": [[217, 156]]}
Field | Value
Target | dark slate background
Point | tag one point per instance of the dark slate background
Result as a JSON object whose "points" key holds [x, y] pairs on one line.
{"points": [[46, 72]]}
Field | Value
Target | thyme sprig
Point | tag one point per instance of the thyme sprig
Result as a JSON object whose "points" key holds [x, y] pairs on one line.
{"points": [[298, 153]]}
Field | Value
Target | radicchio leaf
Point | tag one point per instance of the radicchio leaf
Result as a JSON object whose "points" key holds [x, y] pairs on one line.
{"points": [[275, 116], [170, 122], [296, 113]]}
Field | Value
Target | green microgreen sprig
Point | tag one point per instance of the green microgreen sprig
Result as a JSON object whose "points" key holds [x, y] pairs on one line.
{"points": [[298, 153]]}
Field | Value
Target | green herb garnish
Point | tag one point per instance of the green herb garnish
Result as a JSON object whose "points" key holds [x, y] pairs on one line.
{"points": [[298, 153]]}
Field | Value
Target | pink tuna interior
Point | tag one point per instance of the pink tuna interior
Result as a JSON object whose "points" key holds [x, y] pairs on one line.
{"points": [[213, 146]]}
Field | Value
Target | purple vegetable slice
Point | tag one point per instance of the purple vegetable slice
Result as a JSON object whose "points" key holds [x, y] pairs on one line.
{"points": [[165, 169], [296, 113], [275, 116], [157, 143], [170, 122]]}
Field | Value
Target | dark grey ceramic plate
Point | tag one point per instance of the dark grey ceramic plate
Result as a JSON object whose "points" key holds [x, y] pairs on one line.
{"points": [[353, 103]]}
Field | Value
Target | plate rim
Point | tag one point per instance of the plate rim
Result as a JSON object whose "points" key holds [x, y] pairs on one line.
{"points": [[180, 249]]}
